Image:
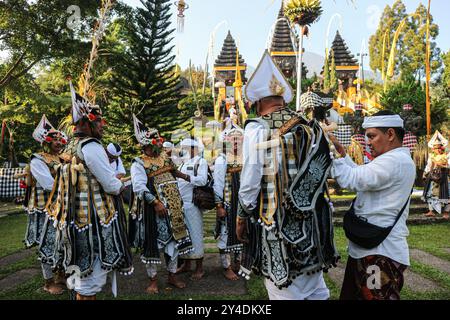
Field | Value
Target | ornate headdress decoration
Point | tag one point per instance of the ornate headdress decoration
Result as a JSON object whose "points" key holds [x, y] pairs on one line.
{"points": [[45, 132], [437, 138], [145, 136], [82, 108]]}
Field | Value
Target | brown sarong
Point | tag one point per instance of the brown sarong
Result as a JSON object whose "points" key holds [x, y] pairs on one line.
{"points": [[359, 280]]}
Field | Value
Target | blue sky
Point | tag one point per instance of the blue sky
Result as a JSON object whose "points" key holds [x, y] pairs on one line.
{"points": [[250, 22]]}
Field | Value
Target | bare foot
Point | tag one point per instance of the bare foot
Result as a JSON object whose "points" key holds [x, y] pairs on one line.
{"points": [[197, 275], [445, 216], [430, 214], [236, 267], [174, 281], [230, 275], [153, 286], [52, 288]]}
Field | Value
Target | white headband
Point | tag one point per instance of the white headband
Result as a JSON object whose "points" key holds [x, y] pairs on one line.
{"points": [[113, 151], [393, 121]]}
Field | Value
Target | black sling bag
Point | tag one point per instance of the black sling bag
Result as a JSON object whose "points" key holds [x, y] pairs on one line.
{"points": [[364, 234]]}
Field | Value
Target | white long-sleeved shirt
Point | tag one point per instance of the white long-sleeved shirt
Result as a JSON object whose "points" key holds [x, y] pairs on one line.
{"points": [[252, 165], [98, 164], [117, 166], [187, 188], [383, 186], [41, 173], [219, 174], [138, 179]]}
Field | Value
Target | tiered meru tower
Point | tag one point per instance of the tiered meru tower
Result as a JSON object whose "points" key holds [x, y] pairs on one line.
{"points": [[346, 64], [282, 47], [226, 66]]}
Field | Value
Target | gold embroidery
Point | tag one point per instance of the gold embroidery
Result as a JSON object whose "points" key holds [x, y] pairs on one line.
{"points": [[276, 87]]}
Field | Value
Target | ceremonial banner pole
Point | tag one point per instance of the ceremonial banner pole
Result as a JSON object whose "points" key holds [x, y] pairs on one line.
{"points": [[299, 69], [427, 70]]}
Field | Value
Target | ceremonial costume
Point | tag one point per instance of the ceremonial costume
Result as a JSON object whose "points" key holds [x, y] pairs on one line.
{"points": [[152, 180], [285, 165], [227, 170], [40, 178], [383, 187], [89, 212], [436, 191], [197, 169]]}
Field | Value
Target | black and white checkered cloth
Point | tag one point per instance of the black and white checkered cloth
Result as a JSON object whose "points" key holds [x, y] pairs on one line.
{"points": [[343, 133], [9, 186], [310, 100]]}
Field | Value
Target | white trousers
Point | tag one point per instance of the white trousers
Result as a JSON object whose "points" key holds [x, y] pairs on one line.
{"points": [[93, 283], [304, 287]]}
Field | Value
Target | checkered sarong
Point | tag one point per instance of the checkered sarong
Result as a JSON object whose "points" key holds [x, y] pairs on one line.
{"points": [[410, 141], [9, 186]]}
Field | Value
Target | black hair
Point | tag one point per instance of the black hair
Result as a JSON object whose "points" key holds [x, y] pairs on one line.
{"points": [[399, 131]]}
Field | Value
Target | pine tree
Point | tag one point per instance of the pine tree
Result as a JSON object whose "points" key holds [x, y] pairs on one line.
{"points": [[333, 73], [144, 80]]}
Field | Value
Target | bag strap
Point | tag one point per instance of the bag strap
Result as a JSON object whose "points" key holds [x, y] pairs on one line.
{"points": [[399, 214], [403, 209]]}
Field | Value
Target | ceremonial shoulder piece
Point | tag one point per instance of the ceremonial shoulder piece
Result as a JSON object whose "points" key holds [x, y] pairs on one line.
{"points": [[233, 138], [91, 221], [294, 217], [36, 196], [146, 230]]}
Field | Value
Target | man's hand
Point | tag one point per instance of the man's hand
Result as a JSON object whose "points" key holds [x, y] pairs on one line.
{"points": [[337, 145], [160, 209], [241, 230], [221, 212]]}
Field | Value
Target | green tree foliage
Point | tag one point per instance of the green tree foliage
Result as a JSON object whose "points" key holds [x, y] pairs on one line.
{"points": [[410, 49], [326, 75], [410, 91], [36, 32], [446, 70], [143, 79], [389, 21], [414, 42]]}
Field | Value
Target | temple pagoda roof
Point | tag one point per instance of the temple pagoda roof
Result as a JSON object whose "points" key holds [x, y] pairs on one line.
{"points": [[281, 37], [227, 56], [342, 55]]}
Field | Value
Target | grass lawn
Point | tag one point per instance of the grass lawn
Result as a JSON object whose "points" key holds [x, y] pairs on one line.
{"points": [[430, 238]]}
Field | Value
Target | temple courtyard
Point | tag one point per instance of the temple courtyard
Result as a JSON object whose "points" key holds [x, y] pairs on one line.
{"points": [[428, 277]]}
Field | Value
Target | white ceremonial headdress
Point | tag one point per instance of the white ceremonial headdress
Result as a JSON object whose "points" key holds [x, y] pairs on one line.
{"points": [[114, 149], [387, 121], [143, 134], [268, 80], [82, 108], [437, 138], [45, 131]]}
